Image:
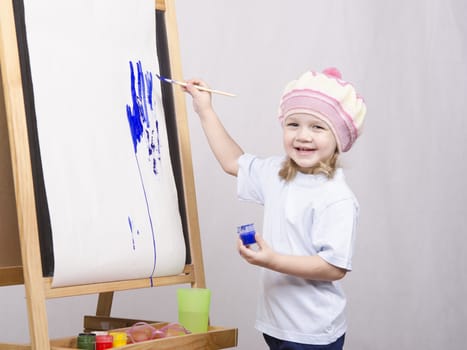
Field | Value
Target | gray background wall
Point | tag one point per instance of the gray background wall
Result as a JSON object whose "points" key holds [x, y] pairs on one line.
{"points": [[409, 61]]}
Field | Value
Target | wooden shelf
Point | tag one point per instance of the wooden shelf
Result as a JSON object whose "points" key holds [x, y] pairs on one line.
{"points": [[214, 338]]}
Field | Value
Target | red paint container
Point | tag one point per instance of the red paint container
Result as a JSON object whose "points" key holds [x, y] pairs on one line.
{"points": [[104, 342]]}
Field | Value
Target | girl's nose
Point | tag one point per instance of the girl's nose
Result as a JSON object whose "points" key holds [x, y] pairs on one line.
{"points": [[304, 134]]}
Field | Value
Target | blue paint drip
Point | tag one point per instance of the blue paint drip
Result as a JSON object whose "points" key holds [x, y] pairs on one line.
{"points": [[149, 218], [142, 130]]}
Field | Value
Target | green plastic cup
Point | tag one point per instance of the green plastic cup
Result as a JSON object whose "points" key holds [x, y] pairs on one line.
{"points": [[193, 308]]}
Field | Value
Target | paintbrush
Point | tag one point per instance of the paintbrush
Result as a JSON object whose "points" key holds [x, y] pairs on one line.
{"points": [[181, 83]]}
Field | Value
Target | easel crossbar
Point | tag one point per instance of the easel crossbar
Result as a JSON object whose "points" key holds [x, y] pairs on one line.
{"points": [[186, 277]]}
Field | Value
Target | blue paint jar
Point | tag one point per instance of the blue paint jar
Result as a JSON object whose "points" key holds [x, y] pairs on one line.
{"points": [[247, 233]]}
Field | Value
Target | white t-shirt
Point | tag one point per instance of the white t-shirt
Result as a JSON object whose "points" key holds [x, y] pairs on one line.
{"points": [[310, 215]]}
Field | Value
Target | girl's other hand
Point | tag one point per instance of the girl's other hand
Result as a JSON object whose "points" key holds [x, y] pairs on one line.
{"points": [[262, 256]]}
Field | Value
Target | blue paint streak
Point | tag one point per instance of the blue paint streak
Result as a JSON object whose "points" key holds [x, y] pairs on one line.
{"points": [[134, 113], [149, 84], [132, 235], [143, 134], [158, 141], [138, 117]]}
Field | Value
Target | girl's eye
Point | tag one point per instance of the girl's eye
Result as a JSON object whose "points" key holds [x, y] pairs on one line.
{"points": [[319, 127], [292, 124]]}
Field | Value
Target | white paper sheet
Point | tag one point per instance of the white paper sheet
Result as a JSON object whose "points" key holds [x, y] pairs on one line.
{"points": [[110, 188]]}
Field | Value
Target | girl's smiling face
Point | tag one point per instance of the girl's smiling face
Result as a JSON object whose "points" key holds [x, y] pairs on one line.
{"points": [[308, 140]]}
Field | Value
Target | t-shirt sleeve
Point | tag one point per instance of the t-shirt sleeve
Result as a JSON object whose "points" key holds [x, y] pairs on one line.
{"points": [[249, 186], [337, 225]]}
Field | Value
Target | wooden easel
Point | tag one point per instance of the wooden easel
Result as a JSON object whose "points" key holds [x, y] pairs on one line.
{"points": [[21, 262]]}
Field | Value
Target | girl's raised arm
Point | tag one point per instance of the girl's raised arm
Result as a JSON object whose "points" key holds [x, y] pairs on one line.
{"points": [[223, 146]]}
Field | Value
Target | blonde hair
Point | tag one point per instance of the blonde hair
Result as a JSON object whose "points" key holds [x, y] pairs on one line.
{"points": [[328, 168]]}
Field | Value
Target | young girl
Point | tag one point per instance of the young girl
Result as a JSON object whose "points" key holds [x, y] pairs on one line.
{"points": [[310, 214]]}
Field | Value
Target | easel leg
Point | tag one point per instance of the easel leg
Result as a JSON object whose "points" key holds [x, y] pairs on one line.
{"points": [[22, 175], [104, 304]]}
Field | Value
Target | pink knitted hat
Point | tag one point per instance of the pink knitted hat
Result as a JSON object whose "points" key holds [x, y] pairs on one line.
{"points": [[330, 98]]}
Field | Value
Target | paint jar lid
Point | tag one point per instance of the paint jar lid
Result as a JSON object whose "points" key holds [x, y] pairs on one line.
{"points": [[87, 335], [248, 228], [100, 333]]}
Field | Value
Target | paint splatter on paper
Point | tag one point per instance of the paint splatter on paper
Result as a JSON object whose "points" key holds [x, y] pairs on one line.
{"points": [[144, 133]]}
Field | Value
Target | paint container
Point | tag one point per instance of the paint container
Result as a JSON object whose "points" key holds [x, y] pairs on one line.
{"points": [[247, 233], [119, 339], [104, 342], [86, 341]]}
